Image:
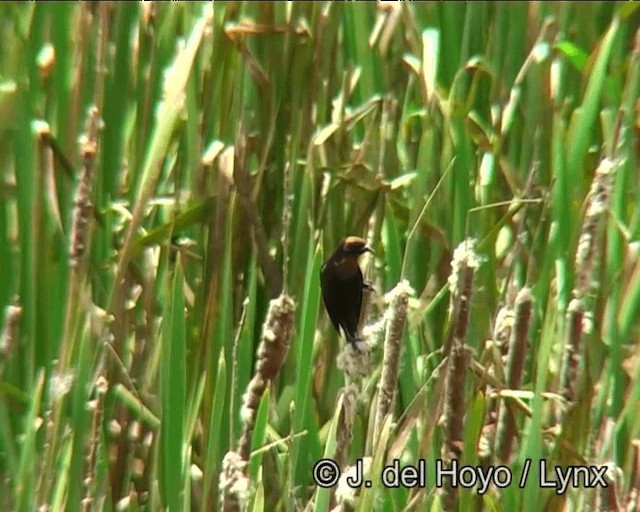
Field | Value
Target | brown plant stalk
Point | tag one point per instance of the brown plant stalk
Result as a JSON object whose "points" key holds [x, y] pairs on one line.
{"points": [[272, 352], [517, 353], [392, 349], [463, 265], [586, 259]]}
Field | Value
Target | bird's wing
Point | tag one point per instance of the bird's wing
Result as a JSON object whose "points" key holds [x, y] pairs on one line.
{"points": [[330, 295], [352, 290]]}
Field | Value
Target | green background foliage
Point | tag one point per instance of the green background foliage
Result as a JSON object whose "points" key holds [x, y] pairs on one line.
{"points": [[236, 145]]}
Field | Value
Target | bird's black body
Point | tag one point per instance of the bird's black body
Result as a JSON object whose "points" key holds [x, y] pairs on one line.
{"points": [[342, 284], [343, 300]]}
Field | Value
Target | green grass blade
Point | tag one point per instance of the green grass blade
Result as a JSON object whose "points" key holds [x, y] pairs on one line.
{"points": [[174, 395]]}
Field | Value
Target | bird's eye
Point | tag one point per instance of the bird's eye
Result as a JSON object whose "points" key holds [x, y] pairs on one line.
{"points": [[353, 249], [355, 245]]}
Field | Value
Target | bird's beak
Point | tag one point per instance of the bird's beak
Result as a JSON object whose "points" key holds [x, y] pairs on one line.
{"points": [[368, 249]]}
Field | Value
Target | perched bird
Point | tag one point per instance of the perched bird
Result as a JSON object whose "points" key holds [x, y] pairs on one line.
{"points": [[342, 284]]}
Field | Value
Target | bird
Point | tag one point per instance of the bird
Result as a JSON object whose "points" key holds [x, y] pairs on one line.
{"points": [[342, 285]]}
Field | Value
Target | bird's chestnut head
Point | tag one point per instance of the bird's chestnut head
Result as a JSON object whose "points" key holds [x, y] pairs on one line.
{"points": [[356, 246]]}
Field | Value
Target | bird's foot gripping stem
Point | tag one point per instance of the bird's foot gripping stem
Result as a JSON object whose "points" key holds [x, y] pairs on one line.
{"points": [[356, 343], [369, 287]]}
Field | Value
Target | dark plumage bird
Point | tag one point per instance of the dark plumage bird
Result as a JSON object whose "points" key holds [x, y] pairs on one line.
{"points": [[342, 284]]}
